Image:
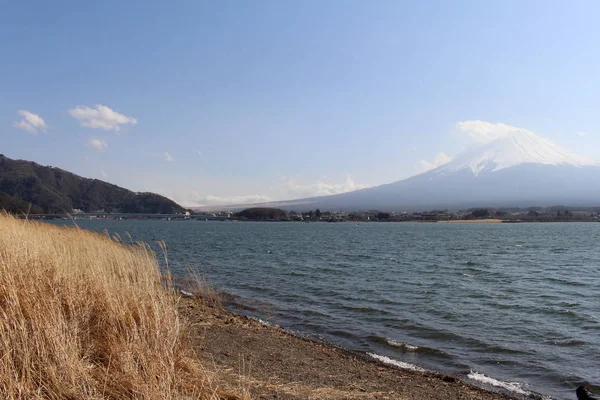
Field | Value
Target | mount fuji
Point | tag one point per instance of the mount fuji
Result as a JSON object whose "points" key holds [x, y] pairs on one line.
{"points": [[519, 169]]}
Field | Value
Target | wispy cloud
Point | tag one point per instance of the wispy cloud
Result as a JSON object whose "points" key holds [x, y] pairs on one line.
{"points": [[30, 122], [440, 159], [167, 157], [581, 134], [103, 174], [97, 144], [285, 189], [209, 200], [484, 132], [101, 117], [294, 189]]}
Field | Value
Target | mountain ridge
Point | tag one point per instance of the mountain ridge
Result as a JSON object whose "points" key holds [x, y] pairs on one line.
{"points": [[54, 190]]}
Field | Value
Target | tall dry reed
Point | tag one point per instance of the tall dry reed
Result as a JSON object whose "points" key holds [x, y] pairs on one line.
{"points": [[82, 316]]}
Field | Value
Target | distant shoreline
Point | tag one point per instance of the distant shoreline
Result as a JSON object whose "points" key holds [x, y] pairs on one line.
{"points": [[202, 218], [469, 221]]}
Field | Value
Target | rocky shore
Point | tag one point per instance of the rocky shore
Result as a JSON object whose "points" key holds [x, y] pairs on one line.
{"points": [[268, 363]]}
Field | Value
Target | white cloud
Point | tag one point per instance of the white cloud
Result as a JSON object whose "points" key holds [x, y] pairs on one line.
{"points": [[168, 157], [30, 122], [284, 189], [581, 134], [440, 159], [484, 132], [100, 117], [294, 189], [103, 174], [97, 144], [209, 200]]}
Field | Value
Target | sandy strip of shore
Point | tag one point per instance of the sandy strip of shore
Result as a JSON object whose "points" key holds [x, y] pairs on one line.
{"points": [[272, 364], [468, 221]]}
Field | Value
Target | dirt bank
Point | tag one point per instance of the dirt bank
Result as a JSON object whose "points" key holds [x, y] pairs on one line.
{"points": [[272, 364]]}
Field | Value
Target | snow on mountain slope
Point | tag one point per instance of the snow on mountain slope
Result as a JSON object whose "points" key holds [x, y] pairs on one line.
{"points": [[517, 169], [522, 147]]}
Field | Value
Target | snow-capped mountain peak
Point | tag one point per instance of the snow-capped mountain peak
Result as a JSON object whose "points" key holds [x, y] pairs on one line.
{"points": [[515, 169], [521, 147]]}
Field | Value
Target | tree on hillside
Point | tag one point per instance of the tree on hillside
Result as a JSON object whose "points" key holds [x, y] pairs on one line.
{"points": [[480, 213], [262, 214], [53, 190], [382, 216], [15, 205]]}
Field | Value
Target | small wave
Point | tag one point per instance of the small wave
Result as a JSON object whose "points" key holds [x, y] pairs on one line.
{"points": [[568, 304], [348, 297], [559, 250], [365, 310], [295, 273], [361, 256], [506, 350], [567, 343], [409, 347], [561, 312], [564, 281], [396, 363], [262, 321], [386, 301], [510, 386], [467, 275], [308, 312], [401, 345]]}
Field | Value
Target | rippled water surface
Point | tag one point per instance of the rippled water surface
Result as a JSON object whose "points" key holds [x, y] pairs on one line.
{"points": [[516, 302]]}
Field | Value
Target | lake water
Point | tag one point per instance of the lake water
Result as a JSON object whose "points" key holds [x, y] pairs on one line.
{"points": [[518, 303]]}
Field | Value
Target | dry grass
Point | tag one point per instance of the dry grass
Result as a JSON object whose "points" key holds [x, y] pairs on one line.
{"points": [[197, 286], [85, 317], [204, 292]]}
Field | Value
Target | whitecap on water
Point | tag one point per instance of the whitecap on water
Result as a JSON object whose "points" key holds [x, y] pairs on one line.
{"points": [[510, 386], [262, 321], [396, 363], [402, 345]]}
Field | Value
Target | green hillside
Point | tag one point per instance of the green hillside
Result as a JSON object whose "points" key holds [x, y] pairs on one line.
{"points": [[53, 190]]}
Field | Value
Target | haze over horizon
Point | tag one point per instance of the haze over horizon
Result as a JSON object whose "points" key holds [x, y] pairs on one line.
{"points": [[230, 102]]}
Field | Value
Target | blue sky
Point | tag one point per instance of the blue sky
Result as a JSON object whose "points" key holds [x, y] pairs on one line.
{"points": [[215, 102]]}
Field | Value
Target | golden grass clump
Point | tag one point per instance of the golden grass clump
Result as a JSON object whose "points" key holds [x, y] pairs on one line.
{"points": [[85, 317]]}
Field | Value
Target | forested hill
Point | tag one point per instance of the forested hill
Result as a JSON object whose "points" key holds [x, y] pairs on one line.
{"points": [[53, 190]]}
